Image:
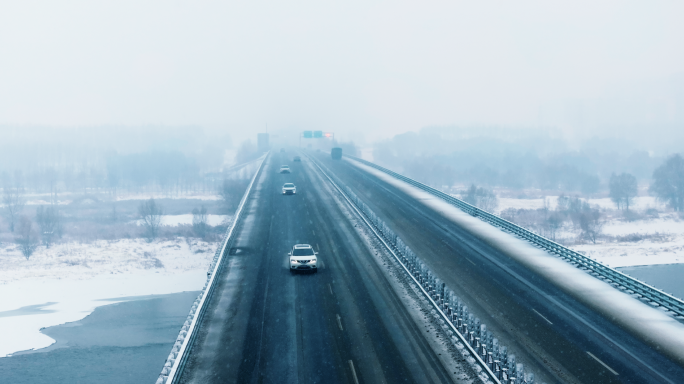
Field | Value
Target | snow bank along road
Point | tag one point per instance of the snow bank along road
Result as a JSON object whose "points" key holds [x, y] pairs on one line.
{"points": [[557, 336], [344, 324]]}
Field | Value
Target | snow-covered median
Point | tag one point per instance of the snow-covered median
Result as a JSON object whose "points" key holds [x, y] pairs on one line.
{"points": [[73, 278]]}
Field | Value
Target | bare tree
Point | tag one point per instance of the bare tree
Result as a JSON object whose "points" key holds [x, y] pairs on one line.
{"points": [[591, 224], [668, 182], [151, 215], [623, 189], [50, 223], [13, 201], [482, 198], [26, 237], [199, 221], [553, 223]]}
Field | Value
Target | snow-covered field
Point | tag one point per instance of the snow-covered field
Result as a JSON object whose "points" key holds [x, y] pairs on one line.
{"points": [[68, 281], [646, 241], [662, 243], [68, 198], [74, 261], [162, 196], [176, 220], [640, 203]]}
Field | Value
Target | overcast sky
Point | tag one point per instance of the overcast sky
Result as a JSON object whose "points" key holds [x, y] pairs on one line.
{"points": [[372, 67]]}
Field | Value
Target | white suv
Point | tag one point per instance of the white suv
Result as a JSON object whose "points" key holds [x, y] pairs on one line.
{"points": [[289, 189], [303, 258]]}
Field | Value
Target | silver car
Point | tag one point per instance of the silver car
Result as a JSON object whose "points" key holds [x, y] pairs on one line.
{"points": [[303, 258], [285, 169], [289, 189]]}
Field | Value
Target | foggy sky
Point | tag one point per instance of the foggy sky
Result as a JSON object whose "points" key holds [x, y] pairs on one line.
{"points": [[366, 68]]}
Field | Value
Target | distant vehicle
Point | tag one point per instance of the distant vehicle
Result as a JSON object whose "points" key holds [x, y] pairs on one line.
{"points": [[303, 258], [282, 149], [285, 169], [289, 189], [297, 158], [336, 153]]}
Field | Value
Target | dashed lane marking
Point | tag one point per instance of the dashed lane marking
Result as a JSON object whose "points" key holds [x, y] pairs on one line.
{"points": [[471, 262], [602, 363], [542, 316], [339, 324], [314, 233], [330, 288], [351, 365]]}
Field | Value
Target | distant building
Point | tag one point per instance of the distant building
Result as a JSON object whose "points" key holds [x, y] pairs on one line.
{"points": [[262, 142]]}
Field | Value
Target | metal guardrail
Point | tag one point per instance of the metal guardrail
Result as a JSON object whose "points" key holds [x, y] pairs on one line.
{"points": [[497, 364], [175, 363], [626, 282]]}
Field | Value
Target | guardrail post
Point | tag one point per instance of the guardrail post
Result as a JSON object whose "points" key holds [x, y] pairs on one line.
{"points": [[510, 364], [520, 371]]}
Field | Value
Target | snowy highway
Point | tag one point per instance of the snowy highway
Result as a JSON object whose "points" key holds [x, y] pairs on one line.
{"points": [[557, 337], [345, 324], [358, 321]]}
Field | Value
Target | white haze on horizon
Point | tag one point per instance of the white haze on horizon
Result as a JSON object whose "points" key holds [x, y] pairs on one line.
{"points": [[373, 67]]}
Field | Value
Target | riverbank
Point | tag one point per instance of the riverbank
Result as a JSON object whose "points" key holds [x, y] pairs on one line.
{"points": [[124, 342]]}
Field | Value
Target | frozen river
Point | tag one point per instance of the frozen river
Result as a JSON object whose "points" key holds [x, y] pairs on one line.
{"points": [[667, 277], [126, 342]]}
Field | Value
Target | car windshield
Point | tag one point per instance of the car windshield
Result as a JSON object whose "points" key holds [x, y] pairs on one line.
{"points": [[303, 252], [285, 166], [288, 185]]}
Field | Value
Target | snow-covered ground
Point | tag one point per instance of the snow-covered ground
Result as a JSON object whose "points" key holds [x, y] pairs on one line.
{"points": [[662, 239], [68, 281], [662, 243], [640, 203], [68, 198], [147, 196], [176, 220]]}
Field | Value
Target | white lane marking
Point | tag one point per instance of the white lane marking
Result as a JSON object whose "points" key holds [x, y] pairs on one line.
{"points": [[314, 233], [339, 324], [330, 288], [317, 247], [602, 363], [351, 365], [471, 262], [542, 316]]}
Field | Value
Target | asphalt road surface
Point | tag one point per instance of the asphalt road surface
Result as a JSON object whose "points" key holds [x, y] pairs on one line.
{"points": [[556, 337], [343, 324]]}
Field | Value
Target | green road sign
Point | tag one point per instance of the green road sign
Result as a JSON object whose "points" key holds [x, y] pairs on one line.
{"points": [[318, 134], [307, 134]]}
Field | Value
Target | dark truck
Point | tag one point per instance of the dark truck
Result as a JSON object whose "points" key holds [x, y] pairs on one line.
{"points": [[336, 153]]}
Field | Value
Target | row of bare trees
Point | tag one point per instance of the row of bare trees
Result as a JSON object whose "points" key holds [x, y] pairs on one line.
{"points": [[588, 221], [49, 227]]}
